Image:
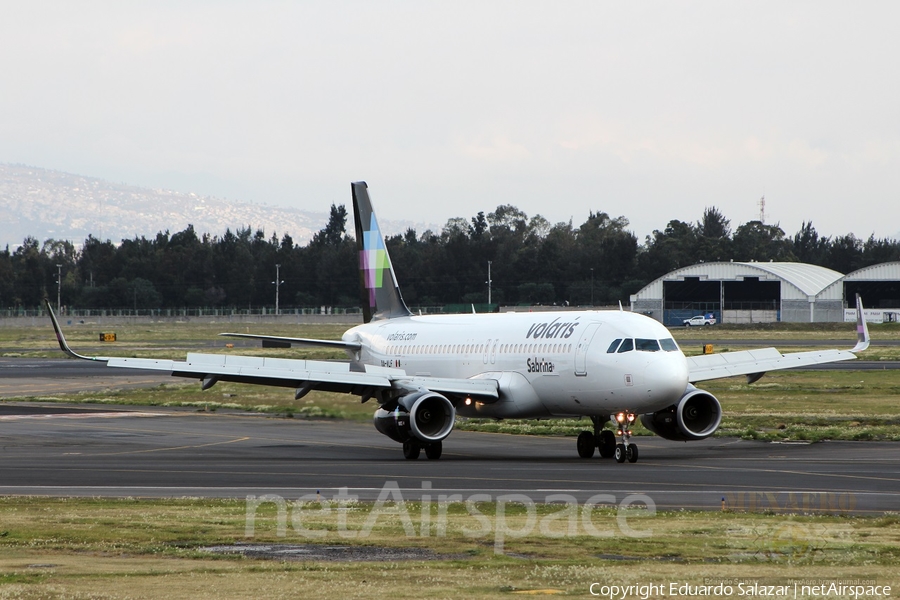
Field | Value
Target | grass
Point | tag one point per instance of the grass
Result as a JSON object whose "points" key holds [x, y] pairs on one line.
{"points": [[163, 339], [107, 548]]}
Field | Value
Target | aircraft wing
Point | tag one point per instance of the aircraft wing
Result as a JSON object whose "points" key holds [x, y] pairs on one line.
{"points": [[330, 376], [755, 363], [303, 375], [336, 344]]}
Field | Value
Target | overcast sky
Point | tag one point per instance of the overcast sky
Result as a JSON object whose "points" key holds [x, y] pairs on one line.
{"points": [[651, 110]]}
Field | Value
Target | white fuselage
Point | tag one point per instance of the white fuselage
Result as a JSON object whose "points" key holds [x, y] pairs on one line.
{"points": [[548, 364]]}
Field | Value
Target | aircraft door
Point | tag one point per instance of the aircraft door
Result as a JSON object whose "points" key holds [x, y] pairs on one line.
{"points": [[487, 351], [494, 351], [581, 349]]}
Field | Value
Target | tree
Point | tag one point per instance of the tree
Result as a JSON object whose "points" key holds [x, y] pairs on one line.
{"points": [[672, 248], [606, 246], [844, 254], [335, 230], [807, 246], [759, 242], [714, 236]]}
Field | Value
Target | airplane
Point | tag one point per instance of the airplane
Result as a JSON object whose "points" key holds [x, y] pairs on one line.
{"points": [[425, 370]]}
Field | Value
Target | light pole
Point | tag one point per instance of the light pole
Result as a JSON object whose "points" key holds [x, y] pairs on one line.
{"points": [[489, 282], [58, 288], [277, 283], [592, 286]]}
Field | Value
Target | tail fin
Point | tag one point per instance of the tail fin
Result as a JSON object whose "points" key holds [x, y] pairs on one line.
{"points": [[381, 297]]}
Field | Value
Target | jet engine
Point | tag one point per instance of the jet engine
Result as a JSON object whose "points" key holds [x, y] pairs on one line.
{"points": [[695, 417], [424, 416]]}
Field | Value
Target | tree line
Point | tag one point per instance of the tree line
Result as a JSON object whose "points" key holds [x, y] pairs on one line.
{"points": [[531, 262]]}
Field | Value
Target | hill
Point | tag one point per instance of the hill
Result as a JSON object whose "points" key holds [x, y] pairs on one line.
{"points": [[52, 204]]}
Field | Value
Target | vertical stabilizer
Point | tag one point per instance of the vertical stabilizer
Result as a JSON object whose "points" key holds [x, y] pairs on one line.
{"points": [[381, 297]]}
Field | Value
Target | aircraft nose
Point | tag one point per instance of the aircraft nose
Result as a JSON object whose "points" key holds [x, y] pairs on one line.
{"points": [[667, 377]]}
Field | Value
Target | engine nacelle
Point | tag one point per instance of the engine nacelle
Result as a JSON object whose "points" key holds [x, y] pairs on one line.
{"points": [[423, 416], [695, 417]]}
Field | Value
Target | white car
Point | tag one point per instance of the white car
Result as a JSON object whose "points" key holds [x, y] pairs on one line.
{"points": [[699, 320]]}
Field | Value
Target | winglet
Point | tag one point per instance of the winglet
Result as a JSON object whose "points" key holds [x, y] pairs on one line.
{"points": [[63, 345], [862, 329]]}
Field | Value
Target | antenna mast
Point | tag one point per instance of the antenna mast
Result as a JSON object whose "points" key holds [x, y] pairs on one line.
{"points": [[762, 209]]}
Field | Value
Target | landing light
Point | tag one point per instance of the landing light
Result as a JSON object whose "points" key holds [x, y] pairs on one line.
{"points": [[620, 417], [468, 402]]}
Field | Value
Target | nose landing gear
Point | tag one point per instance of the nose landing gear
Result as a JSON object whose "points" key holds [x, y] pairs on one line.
{"points": [[625, 450]]}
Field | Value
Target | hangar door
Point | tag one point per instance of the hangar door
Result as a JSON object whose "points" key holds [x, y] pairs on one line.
{"points": [[693, 296], [747, 300], [751, 301], [875, 294]]}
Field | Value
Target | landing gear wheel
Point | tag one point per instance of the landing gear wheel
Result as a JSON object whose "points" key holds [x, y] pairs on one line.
{"points": [[411, 449], [631, 453], [433, 451], [585, 444], [606, 441], [620, 453]]}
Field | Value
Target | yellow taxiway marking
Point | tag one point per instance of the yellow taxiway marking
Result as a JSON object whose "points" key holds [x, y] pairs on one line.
{"points": [[167, 449]]}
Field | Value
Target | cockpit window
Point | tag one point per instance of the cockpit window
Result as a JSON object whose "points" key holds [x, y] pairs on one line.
{"points": [[627, 345], [669, 345], [646, 345], [614, 345]]}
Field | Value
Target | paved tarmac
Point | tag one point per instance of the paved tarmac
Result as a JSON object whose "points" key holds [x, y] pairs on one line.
{"points": [[83, 451], [24, 377]]}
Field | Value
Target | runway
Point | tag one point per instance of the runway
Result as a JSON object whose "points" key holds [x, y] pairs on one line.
{"points": [[81, 451]]}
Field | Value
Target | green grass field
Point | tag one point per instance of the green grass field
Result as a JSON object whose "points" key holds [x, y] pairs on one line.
{"points": [[96, 548]]}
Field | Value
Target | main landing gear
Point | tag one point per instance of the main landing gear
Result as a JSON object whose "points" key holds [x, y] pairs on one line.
{"points": [[605, 440], [412, 448]]}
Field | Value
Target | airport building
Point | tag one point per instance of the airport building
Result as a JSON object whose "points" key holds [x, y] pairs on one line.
{"points": [[745, 292], [879, 287]]}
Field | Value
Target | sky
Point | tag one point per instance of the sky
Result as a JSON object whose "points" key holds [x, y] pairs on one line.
{"points": [[649, 110]]}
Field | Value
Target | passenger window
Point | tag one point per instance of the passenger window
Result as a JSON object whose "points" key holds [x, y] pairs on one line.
{"points": [[647, 345], [669, 345], [627, 345], [613, 346]]}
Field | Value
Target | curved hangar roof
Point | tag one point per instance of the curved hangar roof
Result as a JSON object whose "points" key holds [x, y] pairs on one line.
{"points": [[803, 280], [889, 271]]}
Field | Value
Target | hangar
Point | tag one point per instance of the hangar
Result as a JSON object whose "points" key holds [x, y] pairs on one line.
{"points": [[739, 292], [879, 286]]}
